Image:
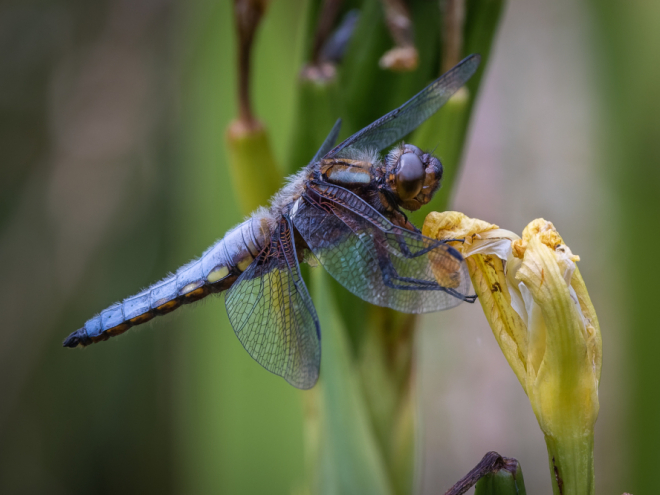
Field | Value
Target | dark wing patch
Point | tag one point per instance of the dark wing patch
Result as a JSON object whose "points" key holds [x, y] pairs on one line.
{"points": [[273, 315], [383, 264], [400, 122]]}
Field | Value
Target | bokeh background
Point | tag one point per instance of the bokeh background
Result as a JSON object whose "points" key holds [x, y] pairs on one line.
{"points": [[113, 171]]}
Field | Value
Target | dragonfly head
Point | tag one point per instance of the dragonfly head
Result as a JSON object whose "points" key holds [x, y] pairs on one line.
{"points": [[412, 176]]}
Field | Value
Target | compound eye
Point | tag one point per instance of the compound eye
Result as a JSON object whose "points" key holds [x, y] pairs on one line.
{"points": [[410, 177]]}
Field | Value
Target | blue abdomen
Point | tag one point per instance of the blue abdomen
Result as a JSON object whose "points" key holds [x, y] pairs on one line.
{"points": [[215, 271]]}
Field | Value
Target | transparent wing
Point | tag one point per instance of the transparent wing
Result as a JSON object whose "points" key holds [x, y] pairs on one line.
{"points": [[405, 119], [383, 264], [329, 142], [273, 315]]}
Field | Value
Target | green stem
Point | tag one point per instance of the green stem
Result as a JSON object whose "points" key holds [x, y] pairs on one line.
{"points": [[571, 460], [250, 153]]}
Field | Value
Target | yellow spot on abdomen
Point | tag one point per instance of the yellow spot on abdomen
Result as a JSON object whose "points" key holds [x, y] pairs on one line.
{"points": [[244, 263], [191, 287], [218, 274]]}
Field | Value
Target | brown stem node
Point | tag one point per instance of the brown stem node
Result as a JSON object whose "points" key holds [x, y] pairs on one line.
{"points": [[453, 16], [490, 463], [247, 15], [404, 56]]}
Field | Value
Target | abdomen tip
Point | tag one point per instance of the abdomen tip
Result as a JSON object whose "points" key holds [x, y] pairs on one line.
{"points": [[75, 340]]}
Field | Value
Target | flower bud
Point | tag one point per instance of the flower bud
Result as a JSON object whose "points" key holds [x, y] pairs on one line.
{"points": [[540, 312]]}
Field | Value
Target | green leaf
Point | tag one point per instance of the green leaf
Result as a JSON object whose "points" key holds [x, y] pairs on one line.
{"points": [[251, 157], [350, 461]]}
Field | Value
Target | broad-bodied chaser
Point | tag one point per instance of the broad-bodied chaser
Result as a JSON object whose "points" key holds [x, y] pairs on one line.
{"points": [[344, 207]]}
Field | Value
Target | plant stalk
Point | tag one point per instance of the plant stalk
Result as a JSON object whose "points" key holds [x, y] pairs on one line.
{"points": [[571, 460]]}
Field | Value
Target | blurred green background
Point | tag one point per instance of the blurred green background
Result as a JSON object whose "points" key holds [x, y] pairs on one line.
{"points": [[114, 172]]}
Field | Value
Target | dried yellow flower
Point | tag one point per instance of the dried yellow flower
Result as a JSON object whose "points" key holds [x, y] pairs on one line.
{"points": [[540, 312]]}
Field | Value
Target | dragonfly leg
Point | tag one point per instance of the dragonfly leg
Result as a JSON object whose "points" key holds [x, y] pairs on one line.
{"points": [[405, 250], [395, 281]]}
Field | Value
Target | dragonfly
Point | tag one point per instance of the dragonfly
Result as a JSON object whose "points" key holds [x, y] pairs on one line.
{"points": [[345, 208]]}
